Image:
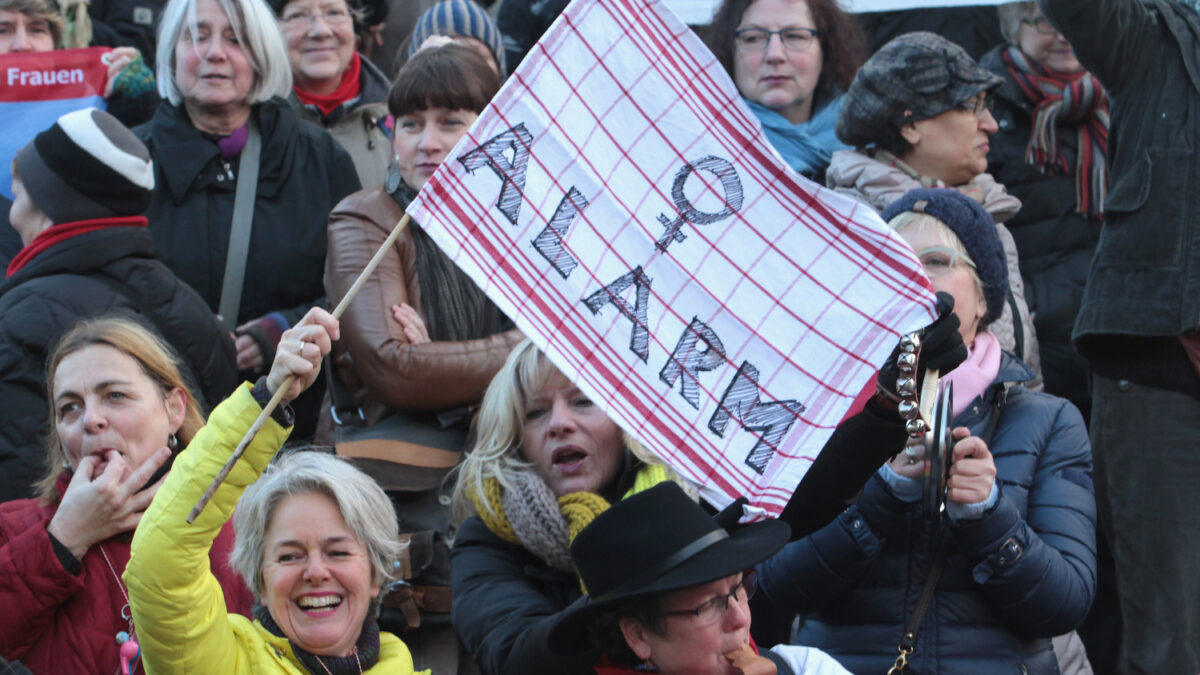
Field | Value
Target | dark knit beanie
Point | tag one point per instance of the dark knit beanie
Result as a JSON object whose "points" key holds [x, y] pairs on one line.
{"points": [[455, 18], [975, 229], [914, 77], [88, 165]]}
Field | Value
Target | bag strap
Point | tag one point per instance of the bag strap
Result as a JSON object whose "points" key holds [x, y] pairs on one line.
{"points": [[239, 231], [908, 643]]}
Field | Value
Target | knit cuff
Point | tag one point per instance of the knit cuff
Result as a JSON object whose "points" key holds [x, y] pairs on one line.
{"points": [[959, 512], [282, 414], [906, 489], [266, 333], [67, 559]]}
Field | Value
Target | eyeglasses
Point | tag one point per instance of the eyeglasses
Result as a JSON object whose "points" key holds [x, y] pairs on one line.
{"points": [[939, 260], [977, 105], [333, 16], [1041, 24], [754, 40], [712, 610]]}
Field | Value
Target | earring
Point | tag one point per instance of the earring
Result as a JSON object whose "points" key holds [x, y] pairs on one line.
{"points": [[172, 442], [393, 178], [646, 666], [66, 465]]}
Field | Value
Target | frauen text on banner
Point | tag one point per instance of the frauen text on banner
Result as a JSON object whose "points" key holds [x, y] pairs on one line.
{"points": [[624, 208], [40, 87]]}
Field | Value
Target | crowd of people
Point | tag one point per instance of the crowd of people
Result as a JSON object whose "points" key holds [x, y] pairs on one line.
{"points": [[434, 495]]}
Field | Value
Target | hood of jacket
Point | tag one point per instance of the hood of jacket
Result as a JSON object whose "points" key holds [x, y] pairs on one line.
{"points": [[878, 184]]}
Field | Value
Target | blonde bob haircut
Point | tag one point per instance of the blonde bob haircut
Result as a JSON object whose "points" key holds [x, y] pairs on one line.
{"points": [[500, 428], [154, 356], [257, 31], [919, 223], [362, 503]]}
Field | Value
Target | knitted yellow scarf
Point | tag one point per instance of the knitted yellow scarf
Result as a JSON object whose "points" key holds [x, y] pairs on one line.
{"points": [[578, 508]]}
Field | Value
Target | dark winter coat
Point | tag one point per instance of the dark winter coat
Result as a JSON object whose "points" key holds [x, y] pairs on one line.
{"points": [[506, 600], [975, 29], [303, 173], [522, 23], [1055, 242], [1145, 279], [1024, 572], [101, 272]]}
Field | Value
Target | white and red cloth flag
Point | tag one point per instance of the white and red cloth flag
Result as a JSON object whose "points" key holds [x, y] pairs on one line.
{"points": [[36, 88], [619, 202]]}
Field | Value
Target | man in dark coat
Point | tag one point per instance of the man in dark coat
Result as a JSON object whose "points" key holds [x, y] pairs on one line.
{"points": [[78, 188], [1138, 322]]}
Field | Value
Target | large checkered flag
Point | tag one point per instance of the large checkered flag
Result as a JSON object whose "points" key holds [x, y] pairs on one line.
{"points": [[624, 208]]}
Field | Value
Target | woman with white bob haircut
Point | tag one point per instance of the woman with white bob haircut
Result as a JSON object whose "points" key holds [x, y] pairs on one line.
{"points": [[223, 69], [316, 543]]}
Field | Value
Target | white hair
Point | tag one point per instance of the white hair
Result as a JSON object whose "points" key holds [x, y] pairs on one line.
{"points": [[257, 32], [364, 506]]}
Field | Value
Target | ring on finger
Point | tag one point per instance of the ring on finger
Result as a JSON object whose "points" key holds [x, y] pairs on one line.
{"points": [[911, 453]]}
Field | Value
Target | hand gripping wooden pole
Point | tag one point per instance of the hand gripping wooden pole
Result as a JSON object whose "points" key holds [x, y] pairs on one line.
{"points": [[287, 383]]}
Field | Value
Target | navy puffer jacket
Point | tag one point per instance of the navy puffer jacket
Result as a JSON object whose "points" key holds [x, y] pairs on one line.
{"points": [[1021, 574]]}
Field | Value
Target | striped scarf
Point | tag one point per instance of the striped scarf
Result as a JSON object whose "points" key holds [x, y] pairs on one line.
{"points": [[530, 516], [1076, 99]]}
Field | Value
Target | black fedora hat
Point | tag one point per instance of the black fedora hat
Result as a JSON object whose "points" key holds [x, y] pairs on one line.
{"points": [[653, 542]]}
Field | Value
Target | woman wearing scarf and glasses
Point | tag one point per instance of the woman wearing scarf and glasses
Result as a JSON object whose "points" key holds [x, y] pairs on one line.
{"points": [[918, 115], [333, 86], [791, 60], [1050, 152], [1014, 550]]}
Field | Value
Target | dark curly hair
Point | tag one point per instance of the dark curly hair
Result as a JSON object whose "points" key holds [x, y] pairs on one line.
{"points": [[843, 44]]}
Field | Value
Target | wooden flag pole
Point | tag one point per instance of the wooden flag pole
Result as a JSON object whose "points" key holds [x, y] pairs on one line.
{"points": [[287, 383]]}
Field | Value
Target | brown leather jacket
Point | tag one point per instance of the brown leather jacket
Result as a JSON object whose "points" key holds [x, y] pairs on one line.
{"points": [[374, 359]]}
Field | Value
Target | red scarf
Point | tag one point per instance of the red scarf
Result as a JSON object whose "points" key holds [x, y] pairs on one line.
{"points": [[345, 91], [59, 233], [1076, 100]]}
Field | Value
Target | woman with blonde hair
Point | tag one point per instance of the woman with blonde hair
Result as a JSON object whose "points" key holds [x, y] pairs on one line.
{"points": [[546, 461], [120, 413]]}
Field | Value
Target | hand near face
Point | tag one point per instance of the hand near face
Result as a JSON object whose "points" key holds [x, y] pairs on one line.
{"points": [[411, 322], [117, 60], [973, 471], [300, 352], [103, 500]]}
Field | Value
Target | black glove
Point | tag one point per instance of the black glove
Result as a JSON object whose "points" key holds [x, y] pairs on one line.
{"points": [[730, 515], [942, 347]]}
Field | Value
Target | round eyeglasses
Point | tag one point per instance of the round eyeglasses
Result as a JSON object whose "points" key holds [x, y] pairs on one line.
{"points": [[1041, 24], [711, 611], [754, 40], [939, 260], [333, 16]]}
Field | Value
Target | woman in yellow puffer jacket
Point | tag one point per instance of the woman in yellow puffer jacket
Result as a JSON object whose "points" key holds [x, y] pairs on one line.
{"points": [[316, 544]]}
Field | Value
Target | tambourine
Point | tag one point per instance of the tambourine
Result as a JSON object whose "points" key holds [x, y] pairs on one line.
{"points": [[930, 419]]}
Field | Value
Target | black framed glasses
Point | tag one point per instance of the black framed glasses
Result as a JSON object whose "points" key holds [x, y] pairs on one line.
{"points": [[711, 611], [754, 40], [1041, 24]]}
